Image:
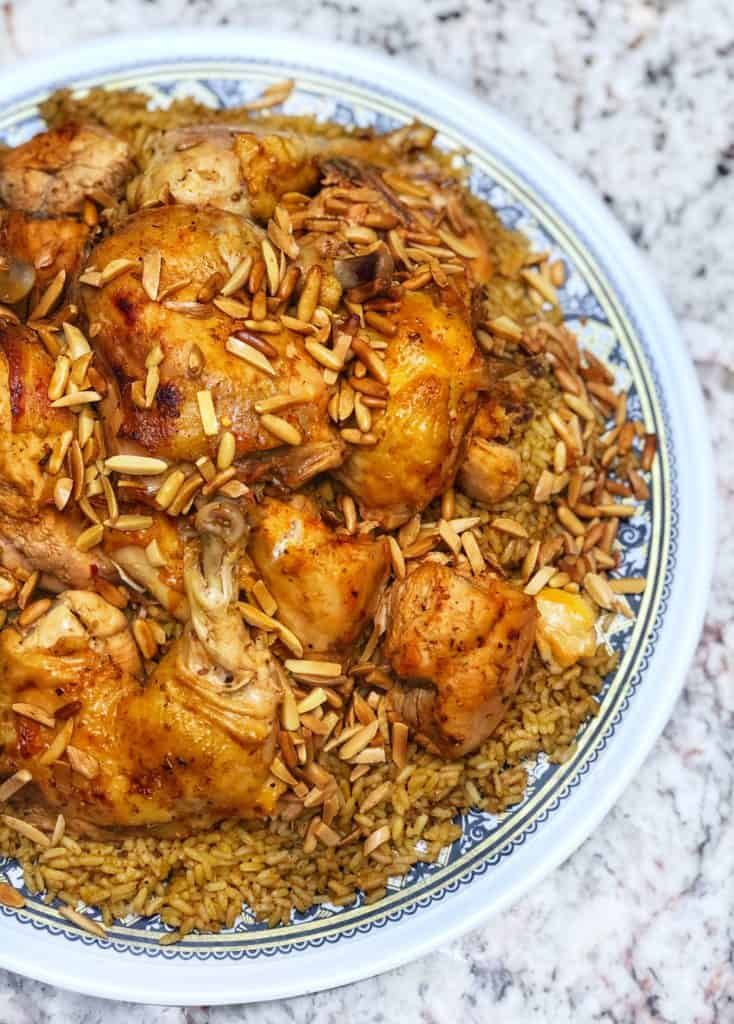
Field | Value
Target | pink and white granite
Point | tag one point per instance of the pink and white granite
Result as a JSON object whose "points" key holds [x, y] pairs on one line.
{"points": [[638, 96]]}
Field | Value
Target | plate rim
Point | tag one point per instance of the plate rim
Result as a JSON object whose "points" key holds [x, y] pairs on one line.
{"points": [[652, 309]]}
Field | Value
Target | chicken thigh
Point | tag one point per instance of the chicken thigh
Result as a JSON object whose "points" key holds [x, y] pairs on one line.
{"points": [[54, 172], [327, 584], [128, 324], [463, 644], [434, 371]]}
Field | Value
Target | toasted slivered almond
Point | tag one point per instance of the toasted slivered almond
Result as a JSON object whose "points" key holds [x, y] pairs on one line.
{"points": [[59, 829], [327, 669], [371, 360], [541, 285], [255, 617], [370, 755], [152, 273], [208, 416], [353, 436], [135, 465], [377, 838], [310, 293], [273, 96], [11, 897], [169, 489], [232, 307], [90, 537], [376, 797], [343, 736], [29, 831], [272, 269], [628, 585], [13, 784], [50, 297], [59, 378], [505, 327], [359, 740], [289, 638], [93, 278], [35, 713], [449, 536], [281, 429], [144, 638], [62, 492], [299, 326], [314, 699], [115, 268], [82, 762], [33, 611], [397, 558], [264, 598], [83, 922], [250, 355], [131, 523], [598, 589], [349, 511], [284, 241], [327, 835], [323, 355], [58, 745], [472, 552], [539, 580], [226, 450], [185, 494], [530, 560], [238, 277], [570, 521], [76, 398], [283, 401], [289, 718]]}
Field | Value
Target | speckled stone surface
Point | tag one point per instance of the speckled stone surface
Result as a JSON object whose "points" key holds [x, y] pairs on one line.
{"points": [[638, 96]]}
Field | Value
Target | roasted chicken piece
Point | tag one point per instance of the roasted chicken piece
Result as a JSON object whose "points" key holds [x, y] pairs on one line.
{"points": [[433, 374], [189, 746], [33, 535], [461, 646], [195, 245], [244, 172], [327, 584], [54, 172], [491, 469], [152, 558], [48, 245]]}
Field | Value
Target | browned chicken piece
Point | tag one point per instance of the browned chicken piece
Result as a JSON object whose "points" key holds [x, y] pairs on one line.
{"points": [[434, 372], [153, 559], [327, 584], [244, 172], [490, 471], [48, 245], [195, 245], [54, 172], [462, 646], [186, 748], [33, 535]]}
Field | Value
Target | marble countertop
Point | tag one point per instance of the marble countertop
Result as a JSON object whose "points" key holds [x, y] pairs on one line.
{"points": [[638, 96]]}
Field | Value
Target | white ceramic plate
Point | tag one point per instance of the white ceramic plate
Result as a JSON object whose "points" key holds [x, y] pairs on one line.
{"points": [[623, 317]]}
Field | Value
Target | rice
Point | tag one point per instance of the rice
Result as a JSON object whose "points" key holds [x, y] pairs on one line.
{"points": [[390, 815]]}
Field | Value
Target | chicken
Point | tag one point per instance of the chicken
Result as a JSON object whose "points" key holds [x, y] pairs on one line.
{"points": [[434, 371], [54, 172], [47, 245], [327, 584], [566, 628], [189, 746], [33, 534], [196, 244], [244, 172], [489, 471], [152, 558], [461, 646]]}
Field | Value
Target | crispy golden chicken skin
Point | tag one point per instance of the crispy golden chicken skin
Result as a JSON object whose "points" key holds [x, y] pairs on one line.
{"points": [[434, 371], [463, 644], [327, 584], [189, 746], [54, 172], [244, 172], [195, 244]]}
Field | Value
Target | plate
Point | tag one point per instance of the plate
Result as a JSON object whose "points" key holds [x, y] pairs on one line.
{"points": [[618, 310]]}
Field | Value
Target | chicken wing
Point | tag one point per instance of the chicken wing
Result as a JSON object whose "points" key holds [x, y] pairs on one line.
{"points": [[327, 584], [54, 172], [196, 244], [434, 371], [463, 644], [185, 748]]}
